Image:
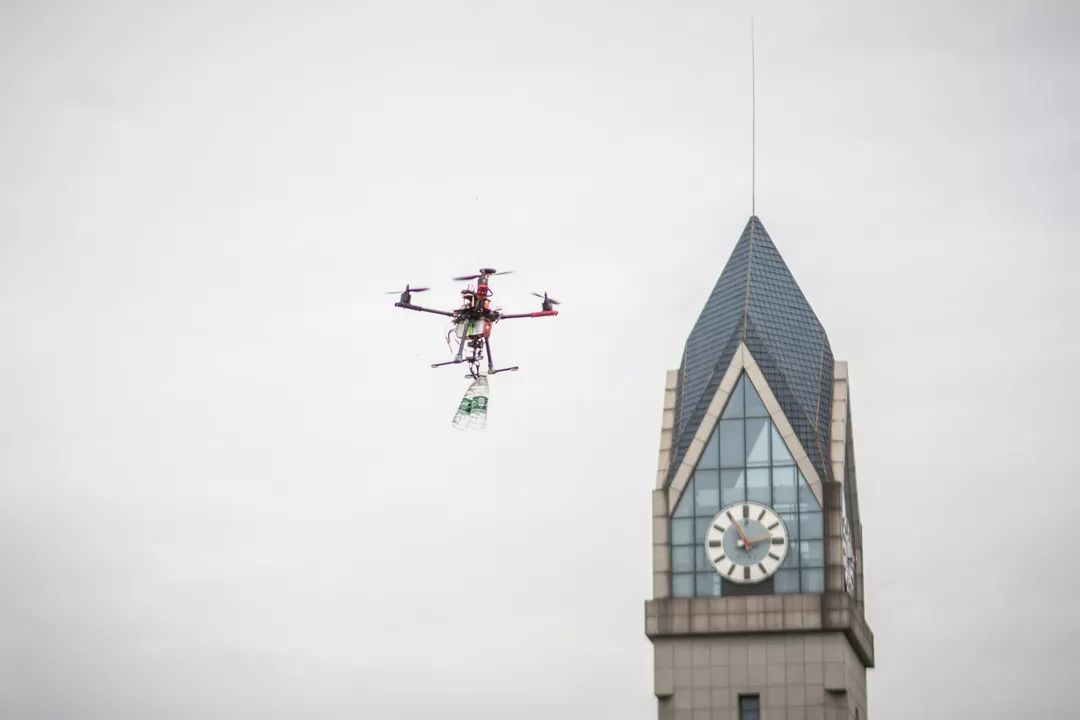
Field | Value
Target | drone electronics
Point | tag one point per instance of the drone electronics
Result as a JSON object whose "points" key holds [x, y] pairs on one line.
{"points": [[474, 320]]}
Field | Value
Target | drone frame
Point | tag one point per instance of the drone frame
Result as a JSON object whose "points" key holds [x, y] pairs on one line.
{"points": [[480, 344]]}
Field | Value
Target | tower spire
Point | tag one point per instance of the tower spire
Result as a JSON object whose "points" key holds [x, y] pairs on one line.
{"points": [[753, 122]]}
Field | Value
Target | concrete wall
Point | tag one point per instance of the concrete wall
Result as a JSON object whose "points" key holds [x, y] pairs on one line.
{"points": [[804, 676]]}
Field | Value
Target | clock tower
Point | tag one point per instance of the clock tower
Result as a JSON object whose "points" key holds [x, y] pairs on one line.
{"points": [[758, 606]]}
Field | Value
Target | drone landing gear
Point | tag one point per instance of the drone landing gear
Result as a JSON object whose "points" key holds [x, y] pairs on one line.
{"points": [[491, 361], [474, 361], [491, 370], [474, 372]]}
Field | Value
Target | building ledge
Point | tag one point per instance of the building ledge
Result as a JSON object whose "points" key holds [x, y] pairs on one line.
{"points": [[753, 614]]}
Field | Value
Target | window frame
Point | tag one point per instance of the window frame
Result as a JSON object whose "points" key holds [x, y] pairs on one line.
{"points": [[779, 464], [746, 712]]}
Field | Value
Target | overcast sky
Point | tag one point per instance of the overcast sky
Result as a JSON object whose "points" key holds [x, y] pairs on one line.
{"points": [[230, 488]]}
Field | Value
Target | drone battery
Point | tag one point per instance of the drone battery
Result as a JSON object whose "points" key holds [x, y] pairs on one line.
{"points": [[476, 328]]}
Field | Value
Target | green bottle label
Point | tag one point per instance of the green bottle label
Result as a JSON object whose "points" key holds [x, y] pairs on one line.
{"points": [[466, 406], [480, 403]]}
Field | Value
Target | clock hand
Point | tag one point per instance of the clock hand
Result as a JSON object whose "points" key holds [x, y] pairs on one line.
{"points": [[738, 527], [759, 538]]}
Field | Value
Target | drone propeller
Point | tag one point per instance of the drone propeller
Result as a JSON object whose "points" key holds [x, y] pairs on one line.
{"points": [[547, 300], [483, 271], [407, 290]]}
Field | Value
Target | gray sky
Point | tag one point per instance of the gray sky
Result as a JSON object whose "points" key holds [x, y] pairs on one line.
{"points": [[230, 486]]}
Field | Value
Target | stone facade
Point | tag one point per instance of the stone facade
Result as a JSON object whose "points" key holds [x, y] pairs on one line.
{"points": [[797, 676]]}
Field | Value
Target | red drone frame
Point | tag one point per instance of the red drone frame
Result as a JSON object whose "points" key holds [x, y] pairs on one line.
{"points": [[474, 320]]}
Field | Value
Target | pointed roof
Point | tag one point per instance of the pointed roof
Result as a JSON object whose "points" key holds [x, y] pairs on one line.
{"points": [[757, 301]]}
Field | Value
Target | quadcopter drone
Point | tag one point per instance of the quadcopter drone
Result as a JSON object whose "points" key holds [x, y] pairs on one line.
{"points": [[474, 320]]}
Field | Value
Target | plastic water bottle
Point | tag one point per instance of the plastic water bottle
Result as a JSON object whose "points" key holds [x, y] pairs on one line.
{"points": [[478, 416], [464, 411]]}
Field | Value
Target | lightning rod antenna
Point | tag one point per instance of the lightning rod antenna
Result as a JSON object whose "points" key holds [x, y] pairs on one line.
{"points": [[753, 122]]}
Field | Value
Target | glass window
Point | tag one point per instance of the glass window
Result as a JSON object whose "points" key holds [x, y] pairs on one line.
{"points": [[706, 492], [745, 458], [791, 522], [807, 501], [784, 495], [731, 443], [787, 581], [734, 407], [791, 560], [749, 707], [708, 584], [811, 525], [732, 486], [685, 506], [812, 553], [682, 558], [757, 441], [682, 531], [703, 563], [757, 485], [710, 456], [813, 581], [780, 454], [754, 406], [701, 527]]}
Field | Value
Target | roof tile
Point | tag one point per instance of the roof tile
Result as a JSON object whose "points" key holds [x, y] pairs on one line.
{"points": [[757, 301]]}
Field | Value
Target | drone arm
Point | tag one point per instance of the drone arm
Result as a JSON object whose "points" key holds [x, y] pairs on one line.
{"points": [[542, 313], [410, 306]]}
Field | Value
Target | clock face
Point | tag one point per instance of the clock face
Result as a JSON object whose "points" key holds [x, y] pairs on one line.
{"points": [[849, 552], [746, 542]]}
